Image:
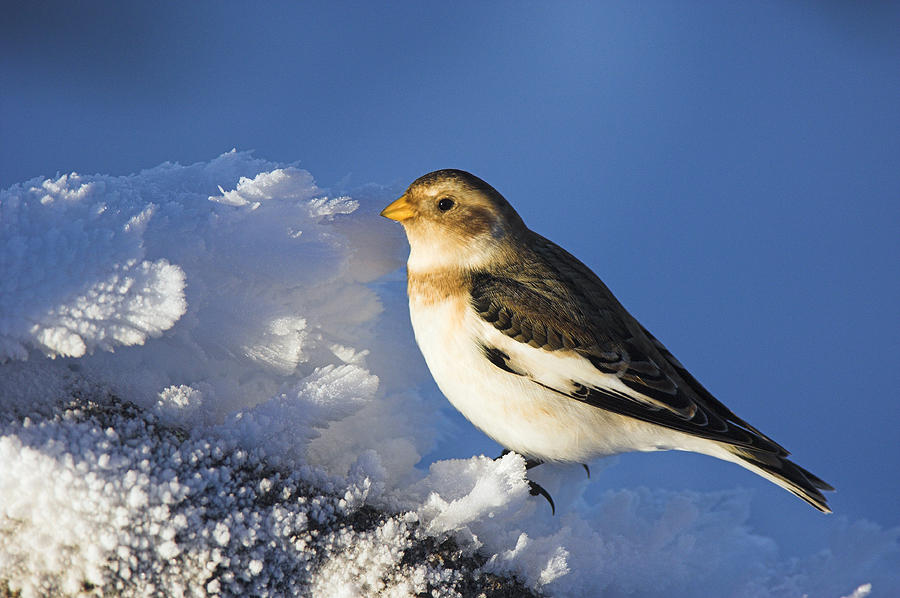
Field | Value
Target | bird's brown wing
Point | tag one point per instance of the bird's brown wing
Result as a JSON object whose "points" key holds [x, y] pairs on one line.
{"points": [[551, 301]]}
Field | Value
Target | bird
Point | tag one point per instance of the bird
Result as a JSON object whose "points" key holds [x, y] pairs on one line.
{"points": [[534, 350]]}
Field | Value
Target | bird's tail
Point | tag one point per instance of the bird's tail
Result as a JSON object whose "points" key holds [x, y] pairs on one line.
{"points": [[784, 472]]}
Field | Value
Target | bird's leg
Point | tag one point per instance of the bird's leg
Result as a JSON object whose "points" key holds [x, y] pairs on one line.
{"points": [[587, 469], [534, 488]]}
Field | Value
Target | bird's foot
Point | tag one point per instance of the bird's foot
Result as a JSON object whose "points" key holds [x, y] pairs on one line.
{"points": [[534, 488]]}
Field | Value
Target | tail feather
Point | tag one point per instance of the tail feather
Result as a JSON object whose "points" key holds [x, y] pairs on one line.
{"points": [[816, 481], [785, 473]]}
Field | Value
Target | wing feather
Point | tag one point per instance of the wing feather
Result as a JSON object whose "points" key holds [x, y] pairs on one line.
{"points": [[551, 301]]}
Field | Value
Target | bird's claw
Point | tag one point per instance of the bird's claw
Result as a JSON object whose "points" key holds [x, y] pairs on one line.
{"points": [[536, 489]]}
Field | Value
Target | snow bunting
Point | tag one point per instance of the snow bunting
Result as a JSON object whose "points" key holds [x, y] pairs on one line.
{"points": [[531, 346]]}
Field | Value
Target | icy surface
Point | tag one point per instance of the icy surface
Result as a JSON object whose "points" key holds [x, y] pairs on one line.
{"points": [[208, 387]]}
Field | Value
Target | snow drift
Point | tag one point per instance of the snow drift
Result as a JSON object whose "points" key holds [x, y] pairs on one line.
{"points": [[208, 386]]}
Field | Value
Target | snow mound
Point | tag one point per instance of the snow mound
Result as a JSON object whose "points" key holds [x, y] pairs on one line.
{"points": [[75, 275], [101, 496], [208, 386]]}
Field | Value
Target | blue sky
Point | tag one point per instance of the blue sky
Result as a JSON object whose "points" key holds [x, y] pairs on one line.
{"points": [[731, 170]]}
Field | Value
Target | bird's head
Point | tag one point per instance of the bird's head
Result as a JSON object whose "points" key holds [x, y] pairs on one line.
{"points": [[454, 219]]}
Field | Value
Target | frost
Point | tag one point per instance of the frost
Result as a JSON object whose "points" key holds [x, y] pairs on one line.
{"points": [[75, 274], [861, 592]]}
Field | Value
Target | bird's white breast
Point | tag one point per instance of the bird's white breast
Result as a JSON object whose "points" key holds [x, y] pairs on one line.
{"points": [[514, 410]]}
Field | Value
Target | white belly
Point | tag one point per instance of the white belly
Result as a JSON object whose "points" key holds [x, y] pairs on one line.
{"points": [[513, 410]]}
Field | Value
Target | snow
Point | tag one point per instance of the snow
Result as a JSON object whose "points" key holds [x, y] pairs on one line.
{"points": [[208, 386]]}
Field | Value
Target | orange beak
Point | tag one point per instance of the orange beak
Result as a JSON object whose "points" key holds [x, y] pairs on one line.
{"points": [[399, 210]]}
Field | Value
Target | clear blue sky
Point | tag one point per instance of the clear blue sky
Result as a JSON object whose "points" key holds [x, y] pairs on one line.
{"points": [[731, 169]]}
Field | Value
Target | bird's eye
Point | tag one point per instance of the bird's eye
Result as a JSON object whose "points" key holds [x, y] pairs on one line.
{"points": [[445, 204]]}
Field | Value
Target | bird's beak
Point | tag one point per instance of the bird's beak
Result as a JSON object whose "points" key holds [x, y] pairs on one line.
{"points": [[399, 210]]}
